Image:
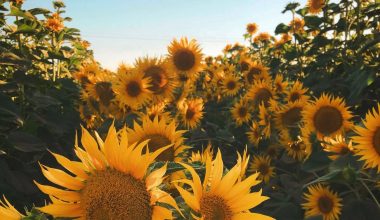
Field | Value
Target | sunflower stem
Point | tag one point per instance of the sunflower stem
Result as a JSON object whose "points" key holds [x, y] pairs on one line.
{"points": [[370, 192]]}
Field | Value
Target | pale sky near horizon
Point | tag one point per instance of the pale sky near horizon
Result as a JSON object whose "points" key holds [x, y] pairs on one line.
{"points": [[123, 30]]}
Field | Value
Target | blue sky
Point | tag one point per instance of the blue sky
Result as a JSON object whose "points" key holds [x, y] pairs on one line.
{"points": [[123, 30]]}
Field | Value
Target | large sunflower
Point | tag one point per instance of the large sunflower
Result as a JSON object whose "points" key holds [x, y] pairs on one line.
{"points": [[161, 133], [368, 139], [132, 89], [185, 58], [322, 201], [162, 81], [192, 112], [327, 116], [109, 182], [262, 165], [261, 91], [8, 212], [222, 198], [241, 112], [315, 6]]}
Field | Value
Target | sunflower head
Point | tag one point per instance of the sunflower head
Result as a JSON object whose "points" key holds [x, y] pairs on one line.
{"points": [[256, 71], [297, 25], [241, 112], [252, 28], [297, 93], [261, 91], [337, 146], [321, 200], [315, 6], [262, 37], [289, 115], [231, 85], [280, 84], [262, 164], [254, 134], [192, 112]]}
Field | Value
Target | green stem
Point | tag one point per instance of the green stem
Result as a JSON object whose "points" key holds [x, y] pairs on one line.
{"points": [[370, 192]]}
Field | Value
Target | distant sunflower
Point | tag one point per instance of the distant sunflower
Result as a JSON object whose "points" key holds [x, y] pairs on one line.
{"points": [[265, 120], [256, 71], [8, 212], [101, 89], [289, 115], [261, 91], [262, 164], [202, 156], [87, 116], [322, 201], [327, 116], [222, 198], [241, 112], [262, 37], [132, 89], [192, 112], [337, 146], [296, 148], [244, 62], [368, 139], [315, 6], [185, 58], [297, 25], [254, 134], [161, 133], [231, 85], [252, 28], [297, 93], [162, 82], [111, 181], [280, 84], [157, 110]]}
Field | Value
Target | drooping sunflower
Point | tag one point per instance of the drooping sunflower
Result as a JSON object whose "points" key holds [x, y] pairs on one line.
{"points": [[289, 115], [327, 116], [368, 139], [315, 6], [185, 58], [231, 85], [192, 112], [8, 212], [222, 198], [161, 133], [337, 146], [256, 71], [262, 164], [254, 134], [261, 91], [132, 89], [322, 201], [252, 28], [297, 93], [109, 182], [241, 112], [162, 81]]}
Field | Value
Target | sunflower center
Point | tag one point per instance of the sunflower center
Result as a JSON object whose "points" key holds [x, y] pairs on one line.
{"points": [[294, 97], [376, 140], [190, 114], [244, 66], [242, 112], [215, 208], [111, 194], [328, 120], [104, 92], [251, 74], [291, 117], [231, 85], [158, 141], [325, 204], [263, 168], [133, 89], [184, 59], [159, 80], [263, 95]]}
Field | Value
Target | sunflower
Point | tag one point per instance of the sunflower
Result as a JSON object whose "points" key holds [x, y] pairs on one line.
{"points": [[109, 182], [185, 58], [243, 159], [157, 110], [265, 120], [261, 91], [289, 115], [256, 71], [296, 147], [222, 198], [262, 165], [231, 85], [202, 156], [161, 133], [297, 93], [262, 37], [337, 146], [279, 83], [54, 23], [241, 112], [87, 116], [322, 201], [368, 139], [254, 134], [327, 116], [162, 82], [315, 6], [8, 212], [192, 112], [244, 62], [132, 89], [252, 28], [297, 25]]}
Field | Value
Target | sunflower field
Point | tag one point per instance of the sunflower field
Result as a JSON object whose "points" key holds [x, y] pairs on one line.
{"points": [[276, 127]]}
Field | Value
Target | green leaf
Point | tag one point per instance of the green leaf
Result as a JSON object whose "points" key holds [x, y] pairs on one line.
{"points": [[38, 11], [24, 28], [291, 6], [26, 142], [282, 29], [313, 22], [20, 13]]}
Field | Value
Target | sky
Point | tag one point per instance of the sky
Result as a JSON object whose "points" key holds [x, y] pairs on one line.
{"points": [[123, 30]]}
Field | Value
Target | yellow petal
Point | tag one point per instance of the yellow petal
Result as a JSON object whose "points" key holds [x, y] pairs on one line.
{"points": [[63, 210], [91, 147], [242, 187], [65, 195], [155, 178], [61, 178], [197, 189], [248, 215], [190, 200], [160, 213], [247, 202], [74, 167]]}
